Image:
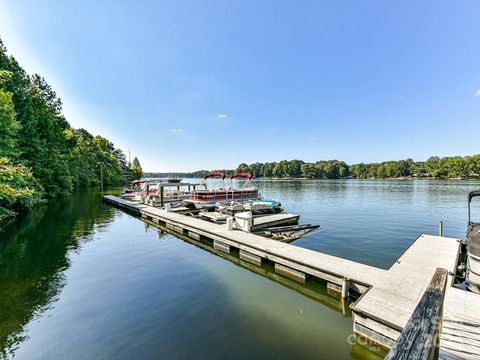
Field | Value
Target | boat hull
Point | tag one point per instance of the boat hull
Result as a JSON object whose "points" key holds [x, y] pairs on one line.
{"points": [[203, 199], [473, 263]]}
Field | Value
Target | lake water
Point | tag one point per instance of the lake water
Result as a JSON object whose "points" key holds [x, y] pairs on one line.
{"points": [[83, 280]]}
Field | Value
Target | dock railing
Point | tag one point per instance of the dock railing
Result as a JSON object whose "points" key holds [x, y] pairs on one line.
{"points": [[421, 336]]}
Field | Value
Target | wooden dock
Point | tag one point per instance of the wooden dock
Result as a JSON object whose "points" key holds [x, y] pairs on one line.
{"points": [[388, 297], [460, 337], [383, 311]]}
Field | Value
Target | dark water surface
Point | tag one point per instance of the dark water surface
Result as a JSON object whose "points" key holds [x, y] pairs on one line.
{"points": [[82, 280]]}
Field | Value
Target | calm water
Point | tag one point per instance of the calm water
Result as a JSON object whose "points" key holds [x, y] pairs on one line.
{"points": [[82, 280]]}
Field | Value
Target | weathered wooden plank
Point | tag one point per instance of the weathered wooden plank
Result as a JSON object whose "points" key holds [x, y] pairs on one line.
{"points": [[420, 337], [379, 328], [291, 273], [461, 325], [174, 227], [219, 245], [334, 289], [372, 336], [249, 257], [194, 235]]}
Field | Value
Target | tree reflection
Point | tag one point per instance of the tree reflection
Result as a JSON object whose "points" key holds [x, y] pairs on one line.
{"points": [[34, 253]]}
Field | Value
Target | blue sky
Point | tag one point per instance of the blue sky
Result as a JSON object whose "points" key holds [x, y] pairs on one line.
{"points": [[210, 84]]}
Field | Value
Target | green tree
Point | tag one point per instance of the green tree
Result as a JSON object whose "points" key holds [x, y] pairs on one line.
{"points": [[9, 126], [18, 189], [136, 169]]}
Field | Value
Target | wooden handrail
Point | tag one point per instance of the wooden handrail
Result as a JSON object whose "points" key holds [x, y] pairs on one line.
{"points": [[421, 336]]}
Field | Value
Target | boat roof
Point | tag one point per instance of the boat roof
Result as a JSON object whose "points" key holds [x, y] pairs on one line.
{"points": [[215, 174], [146, 180], [242, 174]]}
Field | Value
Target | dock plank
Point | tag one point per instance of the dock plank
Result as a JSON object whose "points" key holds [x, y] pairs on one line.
{"points": [[461, 325], [397, 294]]}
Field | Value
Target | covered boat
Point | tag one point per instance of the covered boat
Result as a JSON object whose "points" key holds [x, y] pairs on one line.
{"points": [[139, 187], [208, 198], [473, 248]]}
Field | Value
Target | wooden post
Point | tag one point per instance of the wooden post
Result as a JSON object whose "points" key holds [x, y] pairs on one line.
{"points": [[344, 288], [161, 195], [440, 229], [421, 336]]}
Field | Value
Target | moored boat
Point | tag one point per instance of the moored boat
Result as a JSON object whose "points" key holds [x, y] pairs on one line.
{"points": [[208, 198], [258, 206], [139, 187], [473, 248]]}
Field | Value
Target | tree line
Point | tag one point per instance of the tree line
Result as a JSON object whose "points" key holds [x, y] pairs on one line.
{"points": [[435, 167], [41, 155]]}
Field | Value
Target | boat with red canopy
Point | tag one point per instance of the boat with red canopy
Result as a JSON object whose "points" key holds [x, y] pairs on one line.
{"points": [[208, 198]]}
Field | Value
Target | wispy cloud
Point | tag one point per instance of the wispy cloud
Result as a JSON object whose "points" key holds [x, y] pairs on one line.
{"points": [[477, 93], [229, 153], [176, 131], [272, 129], [222, 116], [312, 138]]}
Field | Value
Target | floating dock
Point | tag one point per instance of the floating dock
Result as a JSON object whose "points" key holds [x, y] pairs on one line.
{"points": [[388, 297], [265, 222]]}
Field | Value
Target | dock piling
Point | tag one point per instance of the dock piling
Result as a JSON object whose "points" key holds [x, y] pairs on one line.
{"points": [[440, 229], [229, 224], [345, 286]]}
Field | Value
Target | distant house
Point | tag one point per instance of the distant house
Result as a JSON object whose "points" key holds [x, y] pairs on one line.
{"points": [[421, 174]]}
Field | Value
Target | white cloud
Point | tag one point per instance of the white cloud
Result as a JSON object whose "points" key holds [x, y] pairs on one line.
{"points": [[222, 116], [176, 131], [228, 153], [477, 93]]}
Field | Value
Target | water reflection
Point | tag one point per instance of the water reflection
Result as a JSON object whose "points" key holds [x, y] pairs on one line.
{"points": [[34, 255], [80, 279]]}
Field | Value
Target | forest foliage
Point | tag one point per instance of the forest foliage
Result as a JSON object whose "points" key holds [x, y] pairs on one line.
{"points": [[467, 167], [41, 155], [435, 167]]}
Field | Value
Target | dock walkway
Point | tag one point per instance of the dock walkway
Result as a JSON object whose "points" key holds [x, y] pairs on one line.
{"points": [[388, 298], [460, 338]]}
